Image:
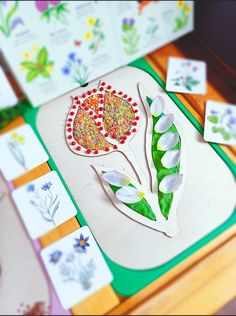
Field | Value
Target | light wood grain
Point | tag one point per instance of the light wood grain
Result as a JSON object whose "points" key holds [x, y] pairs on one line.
{"points": [[98, 304], [201, 291], [176, 274]]}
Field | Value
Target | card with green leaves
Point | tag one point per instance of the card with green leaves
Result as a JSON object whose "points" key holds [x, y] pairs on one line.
{"points": [[220, 123], [186, 76]]}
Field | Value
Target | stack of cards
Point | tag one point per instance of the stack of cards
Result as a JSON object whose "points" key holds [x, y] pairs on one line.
{"points": [[75, 265]]}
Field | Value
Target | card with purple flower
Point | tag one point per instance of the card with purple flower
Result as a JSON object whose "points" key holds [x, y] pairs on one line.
{"points": [[186, 76], [43, 204], [76, 266], [220, 123]]}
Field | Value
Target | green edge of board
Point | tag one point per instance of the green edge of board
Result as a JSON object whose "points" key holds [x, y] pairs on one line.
{"points": [[127, 282]]}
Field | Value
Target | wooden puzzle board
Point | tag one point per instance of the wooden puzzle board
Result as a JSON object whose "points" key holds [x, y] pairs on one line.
{"points": [[204, 205]]}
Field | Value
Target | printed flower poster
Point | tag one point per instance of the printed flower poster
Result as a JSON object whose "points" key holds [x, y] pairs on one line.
{"points": [[21, 151], [220, 123], [76, 266], [43, 204], [186, 76]]}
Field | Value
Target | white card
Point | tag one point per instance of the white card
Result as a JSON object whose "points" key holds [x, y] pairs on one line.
{"points": [[220, 123], [7, 94], [76, 267], [186, 76], [43, 204], [20, 152]]}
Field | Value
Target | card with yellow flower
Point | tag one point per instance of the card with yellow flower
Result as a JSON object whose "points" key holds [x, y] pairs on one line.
{"points": [[21, 151]]}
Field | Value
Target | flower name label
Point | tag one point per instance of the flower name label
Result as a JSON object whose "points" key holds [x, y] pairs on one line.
{"points": [[21, 151], [43, 204], [76, 267], [186, 76], [220, 123]]}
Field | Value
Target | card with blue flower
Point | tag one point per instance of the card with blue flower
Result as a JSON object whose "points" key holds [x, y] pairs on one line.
{"points": [[220, 123], [43, 204], [75, 265]]}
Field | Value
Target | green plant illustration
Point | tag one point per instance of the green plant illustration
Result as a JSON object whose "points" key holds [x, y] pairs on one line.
{"points": [[39, 66], [188, 82], [52, 9], [224, 124], [130, 36], [152, 27], [8, 21], [181, 21], [95, 36]]}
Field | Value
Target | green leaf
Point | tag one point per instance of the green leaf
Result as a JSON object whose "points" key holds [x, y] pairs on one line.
{"points": [[213, 119], [11, 13], [165, 200], [42, 57], [44, 73], [29, 65], [188, 86], [142, 207], [215, 129], [32, 74]]}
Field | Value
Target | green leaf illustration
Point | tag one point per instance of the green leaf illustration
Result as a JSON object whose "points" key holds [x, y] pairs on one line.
{"points": [[42, 57], [31, 75], [213, 119], [29, 65]]}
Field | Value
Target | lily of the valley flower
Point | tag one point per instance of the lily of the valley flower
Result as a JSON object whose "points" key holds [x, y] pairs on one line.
{"points": [[116, 178], [171, 158], [167, 141], [164, 123], [170, 183], [157, 106], [129, 195]]}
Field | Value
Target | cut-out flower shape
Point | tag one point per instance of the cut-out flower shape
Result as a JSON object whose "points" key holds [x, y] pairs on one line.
{"points": [[81, 243], [167, 141], [116, 178], [157, 106], [170, 183], [55, 256], [171, 158], [129, 195], [164, 123]]}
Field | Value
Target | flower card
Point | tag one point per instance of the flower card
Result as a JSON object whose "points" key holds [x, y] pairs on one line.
{"points": [[76, 267], [74, 42], [43, 204], [186, 76], [220, 123], [20, 151]]}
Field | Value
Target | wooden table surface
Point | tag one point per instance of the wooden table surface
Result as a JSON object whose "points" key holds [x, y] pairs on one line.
{"points": [[201, 284]]}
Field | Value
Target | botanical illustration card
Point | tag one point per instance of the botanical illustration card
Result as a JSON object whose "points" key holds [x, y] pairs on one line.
{"points": [[220, 123], [43, 204], [7, 94], [76, 267], [47, 42], [20, 151], [186, 76]]}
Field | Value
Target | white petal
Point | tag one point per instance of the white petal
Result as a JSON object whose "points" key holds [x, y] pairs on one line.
{"points": [[129, 195], [164, 123], [171, 158], [167, 141], [170, 183], [116, 178], [157, 106]]}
